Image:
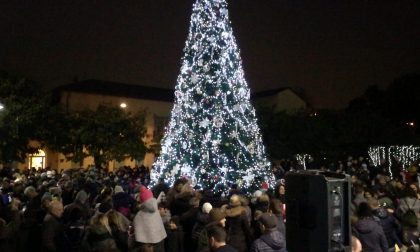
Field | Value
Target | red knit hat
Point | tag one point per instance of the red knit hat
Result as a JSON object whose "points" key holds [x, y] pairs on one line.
{"points": [[144, 194]]}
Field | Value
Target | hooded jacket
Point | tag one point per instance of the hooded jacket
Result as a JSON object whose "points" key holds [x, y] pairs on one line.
{"points": [[148, 225], [390, 225], [371, 235], [273, 241]]}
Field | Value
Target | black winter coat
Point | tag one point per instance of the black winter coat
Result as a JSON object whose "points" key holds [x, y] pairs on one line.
{"points": [[238, 229]]}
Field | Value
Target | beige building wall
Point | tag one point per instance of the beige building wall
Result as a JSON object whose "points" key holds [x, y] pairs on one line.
{"points": [[74, 101]]}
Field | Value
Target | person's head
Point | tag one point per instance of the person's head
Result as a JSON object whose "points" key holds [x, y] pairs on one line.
{"points": [[115, 219], [382, 180], [368, 194], [276, 206], [235, 201], [356, 246], [282, 190], [409, 192], [163, 208], [179, 183], [118, 189], [30, 192], [46, 200], [217, 216], [399, 185], [359, 189], [206, 208], [194, 202], [174, 223], [364, 210], [100, 220], [144, 194], [267, 222], [56, 208], [414, 187], [244, 201], [373, 203], [81, 197], [216, 236]]}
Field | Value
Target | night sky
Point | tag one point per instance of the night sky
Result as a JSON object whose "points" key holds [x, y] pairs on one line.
{"points": [[332, 50]]}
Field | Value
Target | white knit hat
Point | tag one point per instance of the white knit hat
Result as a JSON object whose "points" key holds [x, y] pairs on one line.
{"points": [[118, 189], [207, 207]]}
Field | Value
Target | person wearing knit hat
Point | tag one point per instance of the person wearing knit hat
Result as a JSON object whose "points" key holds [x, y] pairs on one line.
{"points": [[271, 239], [118, 189], [239, 231], [207, 207], [216, 218], [144, 194], [122, 201], [148, 218]]}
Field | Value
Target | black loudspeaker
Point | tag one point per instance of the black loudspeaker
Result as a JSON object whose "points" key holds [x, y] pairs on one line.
{"points": [[317, 211]]}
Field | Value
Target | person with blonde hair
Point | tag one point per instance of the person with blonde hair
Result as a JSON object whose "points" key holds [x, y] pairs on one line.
{"points": [[119, 228], [52, 228], [99, 235]]}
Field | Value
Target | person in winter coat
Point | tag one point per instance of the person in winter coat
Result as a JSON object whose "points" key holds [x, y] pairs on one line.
{"points": [[52, 228], [217, 240], [216, 218], [276, 207], [148, 226], [188, 219], [389, 223], [271, 240], [10, 220], [237, 225], [369, 232], [122, 201], [411, 231], [181, 203], [98, 235], [80, 202], [175, 240], [164, 212], [119, 229]]}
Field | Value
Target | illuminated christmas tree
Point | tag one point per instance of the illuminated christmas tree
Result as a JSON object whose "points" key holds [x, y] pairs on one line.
{"points": [[212, 137]]}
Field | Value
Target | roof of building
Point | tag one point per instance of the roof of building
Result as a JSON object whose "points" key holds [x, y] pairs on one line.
{"points": [[120, 90], [139, 92], [269, 92]]}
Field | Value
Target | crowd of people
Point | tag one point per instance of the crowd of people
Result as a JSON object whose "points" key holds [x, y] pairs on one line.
{"points": [[95, 210]]}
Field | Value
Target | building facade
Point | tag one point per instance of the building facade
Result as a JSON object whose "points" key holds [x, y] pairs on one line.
{"points": [[157, 102]]}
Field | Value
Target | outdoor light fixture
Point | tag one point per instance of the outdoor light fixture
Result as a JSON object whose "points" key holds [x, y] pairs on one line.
{"points": [[123, 105], [1, 106], [411, 124]]}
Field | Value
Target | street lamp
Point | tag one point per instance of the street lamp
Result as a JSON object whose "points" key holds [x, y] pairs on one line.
{"points": [[1, 106], [123, 105], [411, 124]]}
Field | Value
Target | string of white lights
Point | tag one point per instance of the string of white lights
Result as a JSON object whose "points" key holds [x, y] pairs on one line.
{"points": [[212, 137]]}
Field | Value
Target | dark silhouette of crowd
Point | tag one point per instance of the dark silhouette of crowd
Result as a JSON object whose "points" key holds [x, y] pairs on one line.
{"points": [[95, 210]]}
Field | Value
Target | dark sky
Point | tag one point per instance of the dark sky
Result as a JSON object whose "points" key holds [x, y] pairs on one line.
{"points": [[332, 49]]}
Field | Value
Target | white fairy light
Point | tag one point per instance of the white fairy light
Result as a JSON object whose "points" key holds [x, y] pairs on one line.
{"points": [[212, 115]]}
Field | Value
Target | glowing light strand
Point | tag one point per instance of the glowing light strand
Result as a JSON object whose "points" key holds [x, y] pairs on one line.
{"points": [[406, 155], [213, 137]]}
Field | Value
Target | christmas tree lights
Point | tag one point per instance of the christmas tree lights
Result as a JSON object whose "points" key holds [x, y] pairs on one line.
{"points": [[406, 155], [212, 137]]}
